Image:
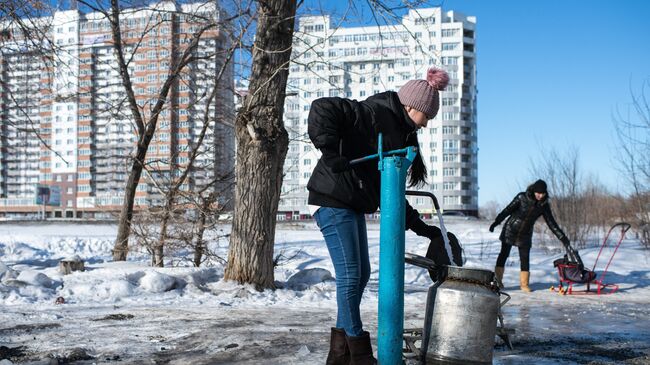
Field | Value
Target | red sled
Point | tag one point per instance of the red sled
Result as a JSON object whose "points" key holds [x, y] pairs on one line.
{"points": [[573, 273]]}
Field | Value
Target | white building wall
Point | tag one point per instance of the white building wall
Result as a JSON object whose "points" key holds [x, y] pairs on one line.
{"points": [[65, 35]]}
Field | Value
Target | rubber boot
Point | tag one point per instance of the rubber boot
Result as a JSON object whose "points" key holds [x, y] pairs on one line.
{"points": [[361, 350], [339, 352], [498, 271], [524, 278]]}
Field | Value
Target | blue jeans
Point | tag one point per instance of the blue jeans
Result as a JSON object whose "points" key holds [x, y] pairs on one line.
{"points": [[345, 233]]}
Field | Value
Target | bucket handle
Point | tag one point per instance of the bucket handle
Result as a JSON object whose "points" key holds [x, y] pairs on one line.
{"points": [[505, 300]]}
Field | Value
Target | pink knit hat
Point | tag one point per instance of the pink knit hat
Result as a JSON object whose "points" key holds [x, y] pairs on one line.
{"points": [[423, 95]]}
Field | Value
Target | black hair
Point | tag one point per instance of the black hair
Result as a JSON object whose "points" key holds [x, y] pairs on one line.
{"points": [[418, 171]]}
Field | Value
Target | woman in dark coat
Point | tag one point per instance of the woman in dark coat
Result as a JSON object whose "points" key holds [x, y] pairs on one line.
{"points": [[340, 195], [522, 213]]}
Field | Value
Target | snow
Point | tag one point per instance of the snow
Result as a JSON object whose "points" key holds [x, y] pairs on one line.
{"points": [[133, 313]]}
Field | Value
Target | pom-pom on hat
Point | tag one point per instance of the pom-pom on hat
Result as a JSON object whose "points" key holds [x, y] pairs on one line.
{"points": [[423, 95]]}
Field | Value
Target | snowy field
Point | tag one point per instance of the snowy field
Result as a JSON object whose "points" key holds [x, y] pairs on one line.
{"points": [[130, 313]]}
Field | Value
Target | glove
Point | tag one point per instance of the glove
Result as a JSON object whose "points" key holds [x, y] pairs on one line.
{"points": [[424, 230], [574, 257], [335, 161], [438, 253], [493, 225]]}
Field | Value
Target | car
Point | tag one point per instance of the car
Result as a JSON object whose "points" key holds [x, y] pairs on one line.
{"points": [[459, 214]]}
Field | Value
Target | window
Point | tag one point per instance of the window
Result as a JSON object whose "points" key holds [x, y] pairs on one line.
{"points": [[449, 60], [449, 46], [450, 200], [449, 144], [449, 32], [448, 129], [448, 185], [306, 161], [450, 157], [449, 171], [449, 116]]}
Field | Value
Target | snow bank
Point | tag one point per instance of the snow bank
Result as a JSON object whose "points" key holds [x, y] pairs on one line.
{"points": [[155, 282], [306, 278], [28, 272]]}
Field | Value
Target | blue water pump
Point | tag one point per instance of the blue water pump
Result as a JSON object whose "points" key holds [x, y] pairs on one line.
{"points": [[393, 166]]}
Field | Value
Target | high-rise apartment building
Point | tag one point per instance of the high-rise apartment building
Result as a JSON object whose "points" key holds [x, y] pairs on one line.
{"points": [[66, 123], [358, 62]]}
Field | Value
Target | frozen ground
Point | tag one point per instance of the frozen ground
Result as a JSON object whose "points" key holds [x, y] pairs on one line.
{"points": [[129, 313]]}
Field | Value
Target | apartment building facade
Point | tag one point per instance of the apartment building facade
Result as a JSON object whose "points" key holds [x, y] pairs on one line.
{"points": [[66, 123], [358, 62]]}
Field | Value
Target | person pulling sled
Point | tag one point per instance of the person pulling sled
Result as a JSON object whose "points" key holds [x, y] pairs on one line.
{"points": [[522, 213]]}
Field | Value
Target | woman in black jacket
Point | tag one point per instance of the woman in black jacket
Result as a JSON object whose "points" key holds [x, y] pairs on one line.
{"points": [[340, 195], [523, 211]]}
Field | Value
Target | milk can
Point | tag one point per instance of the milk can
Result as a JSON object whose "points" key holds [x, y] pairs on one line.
{"points": [[463, 325]]}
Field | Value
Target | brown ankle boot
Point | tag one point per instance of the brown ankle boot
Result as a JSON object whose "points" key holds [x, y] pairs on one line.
{"points": [[361, 350], [339, 353], [524, 278]]}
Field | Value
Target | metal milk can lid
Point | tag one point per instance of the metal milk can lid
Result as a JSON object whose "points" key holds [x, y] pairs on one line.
{"points": [[470, 274]]}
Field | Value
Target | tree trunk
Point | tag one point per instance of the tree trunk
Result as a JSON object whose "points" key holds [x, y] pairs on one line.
{"points": [[199, 246], [121, 247], [262, 144], [158, 250]]}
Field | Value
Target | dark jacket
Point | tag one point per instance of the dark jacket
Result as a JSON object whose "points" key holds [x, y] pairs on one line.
{"points": [[351, 127], [523, 211]]}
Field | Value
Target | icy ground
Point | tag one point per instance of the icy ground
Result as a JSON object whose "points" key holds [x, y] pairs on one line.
{"points": [[130, 313]]}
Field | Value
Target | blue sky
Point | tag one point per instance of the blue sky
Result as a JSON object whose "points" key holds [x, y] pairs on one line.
{"points": [[550, 75]]}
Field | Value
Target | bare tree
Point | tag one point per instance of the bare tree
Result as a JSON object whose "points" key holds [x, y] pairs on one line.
{"points": [[261, 147], [633, 131], [173, 190], [145, 121], [192, 233], [490, 209]]}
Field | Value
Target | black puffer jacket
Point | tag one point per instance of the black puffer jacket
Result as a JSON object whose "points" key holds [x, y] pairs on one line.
{"points": [[524, 211], [351, 128]]}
